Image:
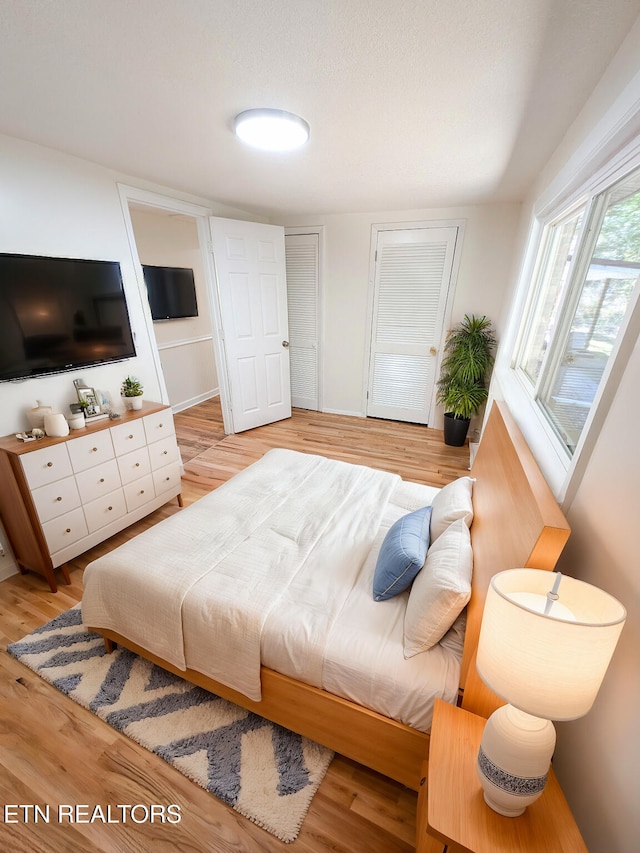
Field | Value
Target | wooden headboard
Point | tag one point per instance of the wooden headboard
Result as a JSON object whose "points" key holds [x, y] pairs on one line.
{"points": [[517, 523]]}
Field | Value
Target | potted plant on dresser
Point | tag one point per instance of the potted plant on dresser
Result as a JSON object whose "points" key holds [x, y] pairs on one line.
{"points": [[131, 390], [464, 373]]}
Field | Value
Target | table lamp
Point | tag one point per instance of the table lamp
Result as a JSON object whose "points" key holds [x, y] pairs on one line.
{"points": [[545, 644]]}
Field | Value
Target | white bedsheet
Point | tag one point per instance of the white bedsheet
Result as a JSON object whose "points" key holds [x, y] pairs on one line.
{"points": [[363, 658], [275, 567]]}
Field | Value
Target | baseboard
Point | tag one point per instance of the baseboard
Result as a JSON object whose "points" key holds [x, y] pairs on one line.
{"points": [[7, 571], [8, 566], [348, 414], [186, 404]]}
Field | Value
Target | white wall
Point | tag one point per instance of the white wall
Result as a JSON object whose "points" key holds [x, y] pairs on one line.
{"points": [[482, 284], [54, 204], [8, 564], [598, 756], [185, 344]]}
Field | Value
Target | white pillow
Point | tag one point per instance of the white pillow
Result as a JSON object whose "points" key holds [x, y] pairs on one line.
{"points": [[452, 502], [440, 591]]}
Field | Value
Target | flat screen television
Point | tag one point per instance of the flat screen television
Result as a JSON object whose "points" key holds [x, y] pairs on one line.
{"points": [[58, 314], [171, 291]]}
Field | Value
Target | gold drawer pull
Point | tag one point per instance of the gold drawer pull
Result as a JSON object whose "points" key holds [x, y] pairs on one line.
{"points": [[164, 452], [49, 464], [94, 449], [167, 478], [102, 479], [160, 426], [130, 436], [68, 530], [109, 508], [137, 465], [58, 498], [142, 491]]}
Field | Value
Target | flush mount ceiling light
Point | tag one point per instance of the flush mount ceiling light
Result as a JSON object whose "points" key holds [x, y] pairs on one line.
{"points": [[271, 130]]}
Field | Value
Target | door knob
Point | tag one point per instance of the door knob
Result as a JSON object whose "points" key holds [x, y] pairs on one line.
{"points": [[285, 344]]}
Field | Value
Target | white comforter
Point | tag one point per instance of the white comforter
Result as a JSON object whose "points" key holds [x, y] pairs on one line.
{"points": [[198, 589]]}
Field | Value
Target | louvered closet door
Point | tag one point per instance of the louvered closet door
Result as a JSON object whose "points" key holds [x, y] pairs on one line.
{"points": [[413, 272], [302, 299]]}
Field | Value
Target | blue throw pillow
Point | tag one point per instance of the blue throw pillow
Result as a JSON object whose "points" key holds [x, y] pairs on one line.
{"points": [[402, 554]]}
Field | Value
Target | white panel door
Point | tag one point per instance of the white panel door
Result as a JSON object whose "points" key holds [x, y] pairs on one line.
{"points": [[412, 276], [302, 299], [249, 261]]}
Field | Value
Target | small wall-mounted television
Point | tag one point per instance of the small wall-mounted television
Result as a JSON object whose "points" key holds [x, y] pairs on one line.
{"points": [[171, 291], [58, 314]]}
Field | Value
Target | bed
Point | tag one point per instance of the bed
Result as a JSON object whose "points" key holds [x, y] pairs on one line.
{"points": [[261, 593]]}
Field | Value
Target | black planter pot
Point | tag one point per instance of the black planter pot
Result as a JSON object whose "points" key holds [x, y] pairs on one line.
{"points": [[455, 429]]}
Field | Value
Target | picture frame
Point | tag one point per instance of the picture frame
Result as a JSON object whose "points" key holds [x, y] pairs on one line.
{"points": [[91, 404]]}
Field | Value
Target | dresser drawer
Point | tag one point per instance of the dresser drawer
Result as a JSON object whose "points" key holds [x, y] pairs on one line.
{"points": [[105, 510], [98, 481], [139, 492], [128, 437], [46, 465], [90, 450], [65, 530], [159, 425], [166, 478], [134, 465], [56, 498], [163, 452]]}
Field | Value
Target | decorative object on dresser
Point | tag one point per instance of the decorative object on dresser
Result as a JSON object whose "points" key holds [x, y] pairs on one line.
{"points": [[132, 390], [88, 401], [36, 415], [76, 420], [55, 425], [545, 644], [62, 496]]}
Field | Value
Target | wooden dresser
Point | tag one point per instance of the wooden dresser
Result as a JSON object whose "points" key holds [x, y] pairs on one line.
{"points": [[61, 496]]}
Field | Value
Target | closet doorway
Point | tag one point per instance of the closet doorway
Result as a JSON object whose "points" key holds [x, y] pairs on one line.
{"points": [[413, 276]]}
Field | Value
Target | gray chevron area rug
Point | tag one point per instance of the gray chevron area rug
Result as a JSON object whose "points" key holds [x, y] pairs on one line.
{"points": [[265, 772]]}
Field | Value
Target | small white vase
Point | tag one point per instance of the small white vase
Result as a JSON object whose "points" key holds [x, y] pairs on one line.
{"points": [[76, 421], [133, 403], [55, 425]]}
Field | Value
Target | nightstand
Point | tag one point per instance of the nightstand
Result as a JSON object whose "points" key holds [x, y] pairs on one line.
{"points": [[452, 809]]}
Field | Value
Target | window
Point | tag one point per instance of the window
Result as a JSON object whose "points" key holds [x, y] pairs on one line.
{"points": [[587, 269]]}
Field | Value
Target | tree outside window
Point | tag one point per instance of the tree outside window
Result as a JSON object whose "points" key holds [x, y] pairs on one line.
{"points": [[589, 267]]}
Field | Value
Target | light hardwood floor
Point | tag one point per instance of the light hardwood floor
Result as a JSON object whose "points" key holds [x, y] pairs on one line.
{"points": [[54, 752]]}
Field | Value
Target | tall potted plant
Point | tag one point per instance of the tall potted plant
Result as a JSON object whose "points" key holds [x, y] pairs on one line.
{"points": [[462, 386]]}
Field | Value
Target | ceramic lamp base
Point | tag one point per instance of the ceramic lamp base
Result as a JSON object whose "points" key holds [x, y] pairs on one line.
{"points": [[514, 758]]}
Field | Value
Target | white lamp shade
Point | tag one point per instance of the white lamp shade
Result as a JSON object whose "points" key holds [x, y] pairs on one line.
{"points": [[271, 130], [549, 665]]}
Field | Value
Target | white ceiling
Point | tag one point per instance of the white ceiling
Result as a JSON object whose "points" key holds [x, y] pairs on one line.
{"points": [[412, 103]]}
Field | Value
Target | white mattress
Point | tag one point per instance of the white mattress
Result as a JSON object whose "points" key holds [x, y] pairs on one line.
{"points": [[199, 588]]}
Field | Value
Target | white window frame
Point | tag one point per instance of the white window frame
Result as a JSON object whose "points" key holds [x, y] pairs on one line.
{"points": [[562, 471]]}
